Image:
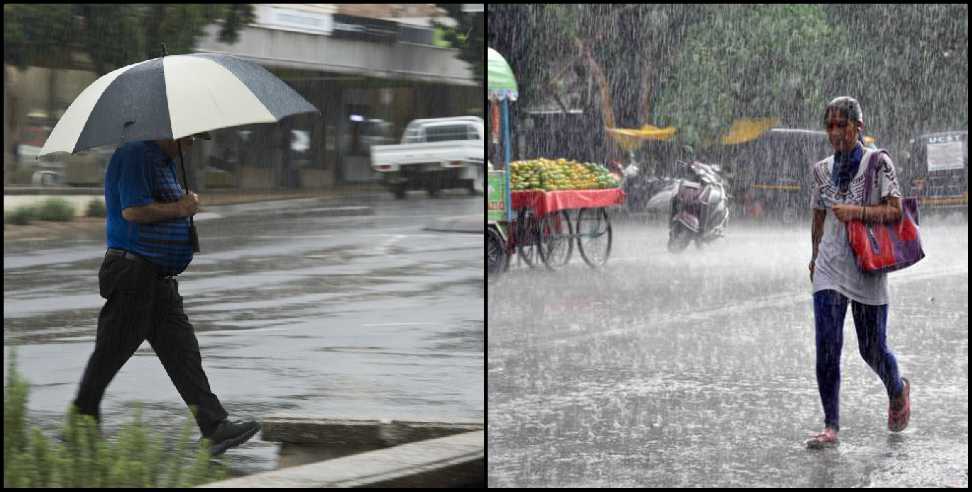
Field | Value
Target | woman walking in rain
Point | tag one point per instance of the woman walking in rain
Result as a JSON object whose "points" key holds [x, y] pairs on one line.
{"points": [[839, 189]]}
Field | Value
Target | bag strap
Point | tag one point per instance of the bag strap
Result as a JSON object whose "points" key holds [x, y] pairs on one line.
{"points": [[869, 174]]}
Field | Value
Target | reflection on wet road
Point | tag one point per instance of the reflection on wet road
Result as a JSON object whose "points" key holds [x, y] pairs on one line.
{"points": [[698, 370], [364, 316]]}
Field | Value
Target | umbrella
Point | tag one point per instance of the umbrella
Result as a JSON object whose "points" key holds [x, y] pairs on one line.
{"points": [[502, 83], [171, 97]]}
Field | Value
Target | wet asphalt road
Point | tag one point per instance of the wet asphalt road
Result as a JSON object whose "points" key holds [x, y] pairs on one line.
{"points": [[297, 307], [698, 370]]}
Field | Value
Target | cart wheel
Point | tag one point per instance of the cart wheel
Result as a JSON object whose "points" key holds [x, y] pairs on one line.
{"points": [[556, 245], [594, 236], [525, 236], [497, 261]]}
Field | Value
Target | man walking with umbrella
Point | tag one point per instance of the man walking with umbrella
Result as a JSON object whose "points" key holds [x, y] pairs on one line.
{"points": [[152, 110], [148, 245]]}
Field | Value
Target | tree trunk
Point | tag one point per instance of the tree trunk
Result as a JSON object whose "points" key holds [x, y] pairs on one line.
{"points": [[607, 111]]}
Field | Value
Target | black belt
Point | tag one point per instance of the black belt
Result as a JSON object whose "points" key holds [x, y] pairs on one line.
{"points": [[128, 255]]}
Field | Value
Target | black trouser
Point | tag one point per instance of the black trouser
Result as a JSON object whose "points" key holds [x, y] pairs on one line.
{"points": [[144, 305]]}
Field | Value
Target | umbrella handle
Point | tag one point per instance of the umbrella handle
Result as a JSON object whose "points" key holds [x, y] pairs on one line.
{"points": [[185, 181]]}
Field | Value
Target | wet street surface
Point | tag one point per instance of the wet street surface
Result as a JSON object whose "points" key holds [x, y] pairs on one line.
{"points": [[698, 369], [302, 307]]}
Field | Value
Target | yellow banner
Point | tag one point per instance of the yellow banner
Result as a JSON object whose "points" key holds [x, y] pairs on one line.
{"points": [[630, 139]]}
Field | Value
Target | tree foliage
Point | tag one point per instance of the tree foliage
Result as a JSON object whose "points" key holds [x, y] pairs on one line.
{"points": [[700, 67], [467, 36], [111, 35]]}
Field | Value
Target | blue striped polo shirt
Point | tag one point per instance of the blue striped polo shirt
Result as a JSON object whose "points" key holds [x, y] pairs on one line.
{"points": [[140, 173]]}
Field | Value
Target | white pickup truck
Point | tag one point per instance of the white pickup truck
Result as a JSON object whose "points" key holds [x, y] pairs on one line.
{"points": [[434, 154]]}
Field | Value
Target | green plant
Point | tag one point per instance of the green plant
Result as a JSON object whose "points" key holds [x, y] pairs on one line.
{"points": [[83, 458], [55, 209], [96, 208], [21, 216]]}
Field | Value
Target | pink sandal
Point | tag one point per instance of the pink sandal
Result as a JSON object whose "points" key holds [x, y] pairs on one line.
{"points": [[898, 419], [825, 439]]}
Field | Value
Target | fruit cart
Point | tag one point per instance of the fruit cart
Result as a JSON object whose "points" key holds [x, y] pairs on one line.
{"points": [[559, 204], [542, 229], [554, 221]]}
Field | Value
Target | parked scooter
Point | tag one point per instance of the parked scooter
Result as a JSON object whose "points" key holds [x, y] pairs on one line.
{"points": [[699, 207], [643, 191]]}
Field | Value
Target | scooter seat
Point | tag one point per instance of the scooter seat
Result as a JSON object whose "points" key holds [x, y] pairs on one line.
{"points": [[689, 191]]}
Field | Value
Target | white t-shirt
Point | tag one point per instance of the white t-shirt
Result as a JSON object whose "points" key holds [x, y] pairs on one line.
{"points": [[835, 267]]}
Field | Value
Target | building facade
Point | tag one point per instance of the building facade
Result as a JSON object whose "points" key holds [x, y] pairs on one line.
{"points": [[370, 69]]}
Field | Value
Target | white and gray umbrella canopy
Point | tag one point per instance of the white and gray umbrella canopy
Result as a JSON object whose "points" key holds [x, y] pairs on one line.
{"points": [[170, 98]]}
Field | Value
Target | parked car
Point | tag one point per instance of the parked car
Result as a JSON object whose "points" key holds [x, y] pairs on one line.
{"points": [[434, 154]]}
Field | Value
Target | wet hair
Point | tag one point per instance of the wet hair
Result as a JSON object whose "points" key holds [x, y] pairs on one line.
{"points": [[849, 108]]}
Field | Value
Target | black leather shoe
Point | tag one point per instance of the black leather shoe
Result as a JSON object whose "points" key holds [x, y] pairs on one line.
{"points": [[230, 434]]}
